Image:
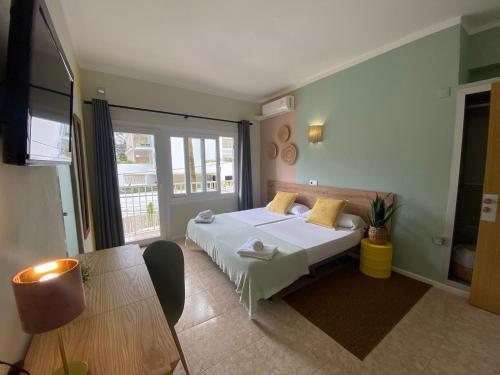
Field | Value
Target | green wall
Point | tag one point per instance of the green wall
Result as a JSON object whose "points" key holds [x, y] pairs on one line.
{"points": [[481, 55], [387, 129], [465, 47], [485, 48]]}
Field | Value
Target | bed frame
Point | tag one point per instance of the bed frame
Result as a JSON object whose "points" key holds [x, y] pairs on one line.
{"points": [[358, 200]]}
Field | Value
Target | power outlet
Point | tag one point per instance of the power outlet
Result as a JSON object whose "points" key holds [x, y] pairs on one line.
{"points": [[313, 182]]}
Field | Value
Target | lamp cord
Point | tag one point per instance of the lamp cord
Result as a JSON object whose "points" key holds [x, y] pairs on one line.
{"points": [[15, 367]]}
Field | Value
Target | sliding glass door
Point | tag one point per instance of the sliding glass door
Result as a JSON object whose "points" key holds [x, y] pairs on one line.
{"points": [[139, 187]]}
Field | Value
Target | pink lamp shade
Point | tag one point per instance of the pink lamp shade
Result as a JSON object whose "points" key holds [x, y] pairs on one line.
{"points": [[49, 295]]}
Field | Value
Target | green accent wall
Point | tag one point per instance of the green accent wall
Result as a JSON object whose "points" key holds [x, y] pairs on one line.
{"points": [[464, 76], [388, 129], [484, 48], [480, 55]]}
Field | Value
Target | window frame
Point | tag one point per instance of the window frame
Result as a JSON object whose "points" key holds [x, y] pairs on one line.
{"points": [[203, 135]]}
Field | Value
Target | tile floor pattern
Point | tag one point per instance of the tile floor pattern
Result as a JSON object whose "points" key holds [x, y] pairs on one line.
{"points": [[442, 334]]}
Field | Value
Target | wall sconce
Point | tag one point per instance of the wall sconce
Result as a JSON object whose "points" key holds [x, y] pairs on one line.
{"points": [[315, 133]]}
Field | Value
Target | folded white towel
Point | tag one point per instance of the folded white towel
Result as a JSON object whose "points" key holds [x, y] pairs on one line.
{"points": [[253, 243], [270, 248], [207, 214], [202, 220], [267, 253]]}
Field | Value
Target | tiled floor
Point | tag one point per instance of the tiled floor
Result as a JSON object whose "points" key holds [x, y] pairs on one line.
{"points": [[442, 334]]}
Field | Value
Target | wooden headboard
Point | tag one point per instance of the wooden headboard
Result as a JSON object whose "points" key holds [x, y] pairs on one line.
{"points": [[359, 200]]}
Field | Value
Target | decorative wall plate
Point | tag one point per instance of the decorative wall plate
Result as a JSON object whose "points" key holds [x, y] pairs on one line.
{"points": [[272, 150], [289, 154], [284, 133]]}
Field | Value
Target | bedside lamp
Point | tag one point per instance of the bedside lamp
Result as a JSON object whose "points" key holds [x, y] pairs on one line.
{"points": [[49, 296]]}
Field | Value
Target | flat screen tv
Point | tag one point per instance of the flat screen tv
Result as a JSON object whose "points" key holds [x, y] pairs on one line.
{"points": [[39, 90]]}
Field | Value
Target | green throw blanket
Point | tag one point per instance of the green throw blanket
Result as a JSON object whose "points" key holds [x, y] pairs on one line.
{"points": [[254, 278]]}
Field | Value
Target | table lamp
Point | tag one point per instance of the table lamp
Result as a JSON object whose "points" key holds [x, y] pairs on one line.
{"points": [[49, 296]]}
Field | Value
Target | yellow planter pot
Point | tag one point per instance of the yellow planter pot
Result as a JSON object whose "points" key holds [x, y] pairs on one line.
{"points": [[376, 260]]}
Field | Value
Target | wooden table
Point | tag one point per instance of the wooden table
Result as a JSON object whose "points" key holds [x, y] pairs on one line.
{"points": [[122, 330]]}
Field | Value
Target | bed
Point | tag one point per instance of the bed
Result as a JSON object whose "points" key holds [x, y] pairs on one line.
{"points": [[259, 216], [319, 243], [301, 245], [205, 235]]}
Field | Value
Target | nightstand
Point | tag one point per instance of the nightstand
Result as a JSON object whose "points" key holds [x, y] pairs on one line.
{"points": [[375, 260]]}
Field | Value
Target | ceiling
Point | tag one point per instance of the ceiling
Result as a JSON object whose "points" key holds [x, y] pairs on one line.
{"points": [[255, 49]]}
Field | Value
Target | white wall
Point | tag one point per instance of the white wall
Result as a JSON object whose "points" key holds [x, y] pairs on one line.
{"points": [[137, 93], [31, 222]]}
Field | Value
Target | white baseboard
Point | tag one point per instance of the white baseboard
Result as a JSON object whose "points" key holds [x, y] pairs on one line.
{"points": [[448, 288]]}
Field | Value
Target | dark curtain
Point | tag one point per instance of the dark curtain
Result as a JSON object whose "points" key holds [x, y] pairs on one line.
{"points": [[245, 200], [108, 225]]}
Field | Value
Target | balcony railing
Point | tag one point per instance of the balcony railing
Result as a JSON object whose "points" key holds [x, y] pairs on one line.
{"points": [[196, 187], [140, 214], [227, 187]]}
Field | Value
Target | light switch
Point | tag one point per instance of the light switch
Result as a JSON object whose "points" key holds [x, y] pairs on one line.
{"points": [[489, 207], [313, 182]]}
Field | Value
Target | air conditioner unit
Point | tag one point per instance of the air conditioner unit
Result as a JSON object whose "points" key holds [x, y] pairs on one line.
{"points": [[278, 107]]}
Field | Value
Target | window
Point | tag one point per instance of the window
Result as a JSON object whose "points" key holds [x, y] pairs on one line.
{"points": [[178, 167], [211, 164], [202, 165], [195, 165], [227, 164]]}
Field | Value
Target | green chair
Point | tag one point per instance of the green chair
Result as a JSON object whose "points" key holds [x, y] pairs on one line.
{"points": [[165, 263]]}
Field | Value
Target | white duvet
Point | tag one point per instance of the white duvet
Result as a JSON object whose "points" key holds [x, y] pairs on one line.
{"points": [[259, 216], [319, 242]]}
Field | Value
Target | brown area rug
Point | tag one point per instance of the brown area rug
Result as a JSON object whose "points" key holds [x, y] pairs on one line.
{"points": [[355, 310]]}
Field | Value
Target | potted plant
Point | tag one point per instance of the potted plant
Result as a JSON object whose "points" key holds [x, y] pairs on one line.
{"points": [[380, 214]]}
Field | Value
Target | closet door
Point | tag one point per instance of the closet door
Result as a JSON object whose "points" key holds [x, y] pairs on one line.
{"points": [[485, 290]]}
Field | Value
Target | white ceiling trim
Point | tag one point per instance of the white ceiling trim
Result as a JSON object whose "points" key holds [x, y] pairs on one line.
{"points": [[369, 55]]}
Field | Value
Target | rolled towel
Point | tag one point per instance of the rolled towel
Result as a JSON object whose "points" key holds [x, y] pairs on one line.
{"points": [[207, 214], [264, 255], [254, 243], [267, 252]]}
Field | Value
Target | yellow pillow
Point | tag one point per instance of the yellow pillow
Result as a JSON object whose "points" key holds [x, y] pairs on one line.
{"points": [[282, 202], [326, 211]]}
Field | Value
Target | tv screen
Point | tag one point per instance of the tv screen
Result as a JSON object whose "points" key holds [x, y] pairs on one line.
{"points": [[38, 129]]}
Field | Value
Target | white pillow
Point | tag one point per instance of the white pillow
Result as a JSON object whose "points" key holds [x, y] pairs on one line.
{"points": [[305, 213], [349, 221], [298, 209], [352, 222]]}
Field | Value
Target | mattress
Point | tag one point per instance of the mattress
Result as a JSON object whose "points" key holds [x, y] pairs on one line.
{"points": [[259, 216], [319, 242]]}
